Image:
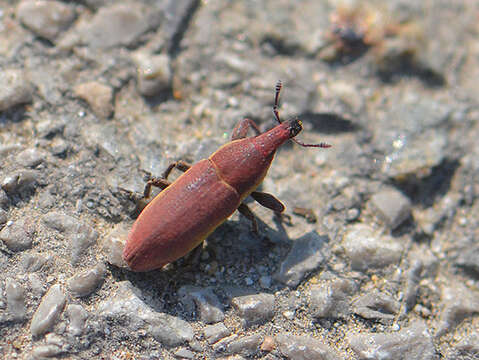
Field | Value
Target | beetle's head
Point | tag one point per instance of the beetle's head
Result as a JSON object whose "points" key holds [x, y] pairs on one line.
{"points": [[295, 127]]}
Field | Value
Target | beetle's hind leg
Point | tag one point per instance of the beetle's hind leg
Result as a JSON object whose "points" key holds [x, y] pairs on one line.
{"points": [[271, 202], [246, 212]]}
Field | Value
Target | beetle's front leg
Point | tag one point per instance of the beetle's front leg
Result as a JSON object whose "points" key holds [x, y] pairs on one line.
{"points": [[241, 129], [180, 165]]}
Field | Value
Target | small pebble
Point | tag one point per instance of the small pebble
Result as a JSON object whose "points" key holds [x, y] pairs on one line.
{"points": [[247, 345], [368, 249], [45, 351], [413, 343], [376, 305], [32, 261], [19, 181], [48, 311], [85, 282], [113, 243], [81, 235], [265, 281], [207, 303], [307, 254], [18, 235], [391, 206], [154, 73], [15, 88], [46, 18], [119, 24], [254, 309], [77, 316], [184, 354], [15, 299], [330, 299], [215, 332], [98, 96], [303, 347], [31, 157]]}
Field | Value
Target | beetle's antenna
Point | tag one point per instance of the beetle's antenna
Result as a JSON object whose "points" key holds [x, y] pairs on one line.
{"points": [[320, 145], [278, 87]]}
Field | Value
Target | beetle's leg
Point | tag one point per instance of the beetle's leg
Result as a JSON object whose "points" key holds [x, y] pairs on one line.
{"points": [[180, 165], [245, 210], [271, 202], [156, 182], [241, 129]]}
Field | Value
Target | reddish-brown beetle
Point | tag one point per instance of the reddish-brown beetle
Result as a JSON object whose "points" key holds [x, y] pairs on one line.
{"points": [[186, 211]]}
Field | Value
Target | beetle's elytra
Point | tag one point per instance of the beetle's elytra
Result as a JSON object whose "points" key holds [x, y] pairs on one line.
{"points": [[186, 211]]}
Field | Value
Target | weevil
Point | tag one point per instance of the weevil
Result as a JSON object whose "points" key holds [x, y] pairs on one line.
{"points": [[187, 210]]}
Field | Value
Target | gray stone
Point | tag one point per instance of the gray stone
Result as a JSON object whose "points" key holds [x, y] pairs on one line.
{"points": [[31, 157], [254, 309], [124, 302], [391, 206], [119, 24], [265, 281], [113, 243], [18, 235], [15, 89], [32, 262], [307, 254], [467, 259], [3, 217], [46, 351], [466, 349], [4, 200], [45, 18], [215, 332], [412, 343], [87, 281], [77, 316], [330, 299], [81, 235], [366, 249], [184, 354], [413, 276], [48, 311], [176, 14], [15, 299], [247, 345], [170, 330], [19, 181], [297, 347], [207, 303], [457, 303], [153, 73], [98, 96], [376, 305]]}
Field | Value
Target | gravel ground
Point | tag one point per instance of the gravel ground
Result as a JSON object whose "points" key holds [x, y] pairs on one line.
{"points": [[385, 265]]}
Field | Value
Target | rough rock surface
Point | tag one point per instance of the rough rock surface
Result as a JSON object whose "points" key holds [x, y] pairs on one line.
{"points": [[381, 260]]}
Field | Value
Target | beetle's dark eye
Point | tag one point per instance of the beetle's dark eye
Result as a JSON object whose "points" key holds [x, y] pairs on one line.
{"points": [[295, 127]]}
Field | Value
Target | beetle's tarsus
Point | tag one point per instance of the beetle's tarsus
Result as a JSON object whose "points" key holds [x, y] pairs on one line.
{"points": [[284, 218]]}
